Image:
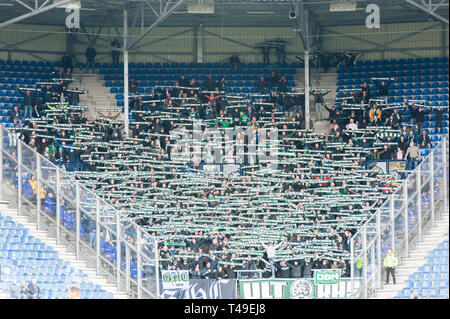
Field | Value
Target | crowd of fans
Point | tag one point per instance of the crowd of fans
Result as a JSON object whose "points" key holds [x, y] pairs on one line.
{"points": [[283, 218]]}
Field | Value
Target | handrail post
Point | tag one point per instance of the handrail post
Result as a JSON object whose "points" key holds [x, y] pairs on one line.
{"points": [[405, 198], [19, 179], [1, 162], [364, 229], [139, 266], [352, 262], [58, 208], [97, 234], [127, 267], [77, 220], [157, 269], [38, 191], [118, 248], [392, 213], [419, 200], [378, 217], [432, 188]]}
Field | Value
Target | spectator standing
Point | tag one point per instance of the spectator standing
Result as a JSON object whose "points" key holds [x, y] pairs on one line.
{"points": [[390, 263], [439, 112], [74, 292], [412, 156], [235, 62], [419, 115], [424, 140], [66, 62], [271, 250], [14, 290], [266, 54], [90, 55], [28, 103], [115, 52], [33, 290]]}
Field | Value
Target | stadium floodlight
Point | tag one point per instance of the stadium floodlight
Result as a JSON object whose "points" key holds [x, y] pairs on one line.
{"points": [[292, 14]]}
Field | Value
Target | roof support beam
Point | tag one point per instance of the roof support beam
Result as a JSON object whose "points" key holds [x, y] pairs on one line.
{"points": [[153, 9], [430, 9], [305, 24], [161, 18], [24, 5], [40, 10]]}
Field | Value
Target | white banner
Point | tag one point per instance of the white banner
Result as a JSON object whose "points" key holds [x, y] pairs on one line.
{"points": [[175, 279]]}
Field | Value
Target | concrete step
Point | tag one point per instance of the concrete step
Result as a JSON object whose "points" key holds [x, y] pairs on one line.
{"points": [[66, 255], [426, 246], [4, 295]]}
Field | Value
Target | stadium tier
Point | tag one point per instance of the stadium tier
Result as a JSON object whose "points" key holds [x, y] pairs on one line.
{"points": [[316, 194], [431, 279], [24, 257]]}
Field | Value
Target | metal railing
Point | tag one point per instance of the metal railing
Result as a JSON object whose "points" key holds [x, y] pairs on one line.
{"points": [[400, 222], [77, 217]]}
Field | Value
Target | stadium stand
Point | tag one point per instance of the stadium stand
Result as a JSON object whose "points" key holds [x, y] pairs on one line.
{"points": [[100, 167], [24, 257], [431, 279]]}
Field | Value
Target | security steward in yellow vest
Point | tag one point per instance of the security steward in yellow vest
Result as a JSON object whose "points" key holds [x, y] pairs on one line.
{"points": [[390, 263]]}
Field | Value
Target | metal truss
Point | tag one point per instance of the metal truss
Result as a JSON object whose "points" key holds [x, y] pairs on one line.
{"points": [[430, 8], [38, 9], [304, 24], [166, 8]]}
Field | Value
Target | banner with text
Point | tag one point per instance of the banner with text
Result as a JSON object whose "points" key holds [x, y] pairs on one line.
{"points": [[295, 289], [175, 279], [203, 289], [327, 277]]}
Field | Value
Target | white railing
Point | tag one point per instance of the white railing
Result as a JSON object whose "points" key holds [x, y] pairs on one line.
{"points": [[80, 219], [400, 221]]}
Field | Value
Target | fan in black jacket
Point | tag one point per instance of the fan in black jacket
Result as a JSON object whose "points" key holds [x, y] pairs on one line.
{"points": [[439, 112], [296, 269], [424, 140], [282, 270], [419, 115]]}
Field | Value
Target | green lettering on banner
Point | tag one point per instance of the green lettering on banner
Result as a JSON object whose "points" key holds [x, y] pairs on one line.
{"points": [[327, 277], [172, 279]]}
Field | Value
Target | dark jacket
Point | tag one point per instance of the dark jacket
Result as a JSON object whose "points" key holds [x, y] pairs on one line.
{"points": [[283, 271], [418, 115], [307, 269], [33, 291], [296, 270], [90, 54]]}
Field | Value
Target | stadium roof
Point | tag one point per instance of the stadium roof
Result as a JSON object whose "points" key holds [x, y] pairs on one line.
{"points": [[226, 12]]}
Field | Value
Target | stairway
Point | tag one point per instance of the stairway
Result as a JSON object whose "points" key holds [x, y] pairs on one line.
{"points": [[98, 96], [430, 240], [4, 295], [323, 81], [62, 250]]}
